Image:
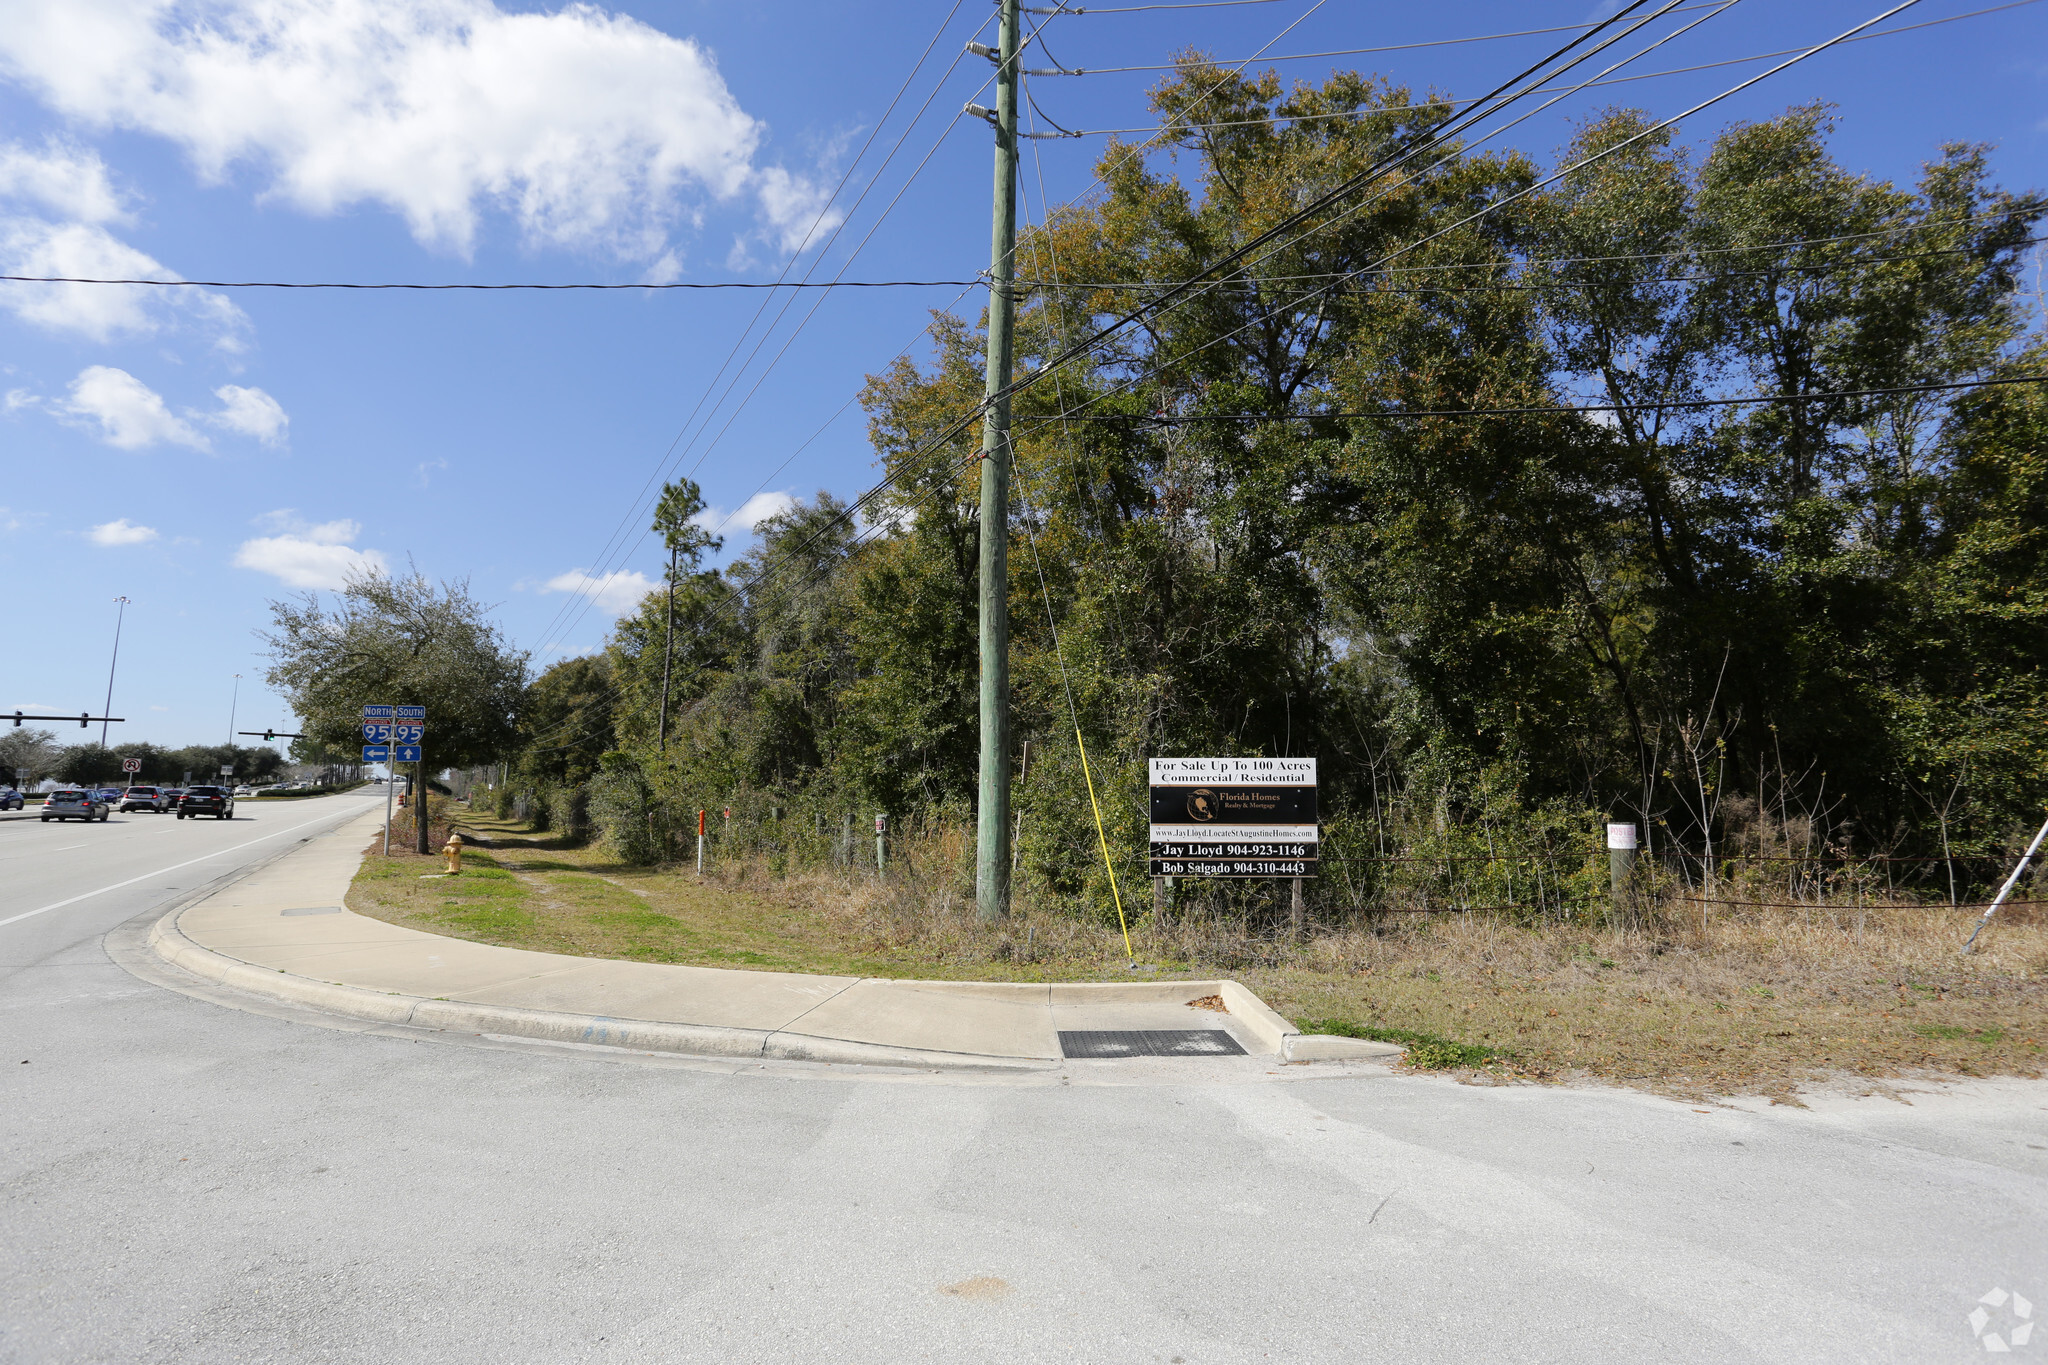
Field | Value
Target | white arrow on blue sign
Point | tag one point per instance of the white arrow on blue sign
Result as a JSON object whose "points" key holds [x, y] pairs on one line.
{"points": [[405, 753], [376, 753]]}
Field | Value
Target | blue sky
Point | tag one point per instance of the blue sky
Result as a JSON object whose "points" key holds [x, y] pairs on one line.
{"points": [[204, 451]]}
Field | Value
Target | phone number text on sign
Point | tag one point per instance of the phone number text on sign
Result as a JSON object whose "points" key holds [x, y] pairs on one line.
{"points": [[1247, 867]]}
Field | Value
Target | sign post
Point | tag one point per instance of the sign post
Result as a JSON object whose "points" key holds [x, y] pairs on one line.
{"points": [[1621, 865], [376, 749], [408, 732]]}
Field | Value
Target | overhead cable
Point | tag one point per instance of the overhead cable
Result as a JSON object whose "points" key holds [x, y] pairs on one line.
{"points": [[1656, 405], [1489, 37]]}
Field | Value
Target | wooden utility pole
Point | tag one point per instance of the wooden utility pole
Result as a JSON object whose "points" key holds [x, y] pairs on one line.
{"points": [[992, 815], [668, 637]]}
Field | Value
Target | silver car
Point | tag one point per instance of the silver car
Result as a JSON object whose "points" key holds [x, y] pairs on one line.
{"points": [[74, 804]]}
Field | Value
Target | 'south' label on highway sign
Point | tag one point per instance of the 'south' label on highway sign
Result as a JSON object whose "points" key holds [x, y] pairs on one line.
{"points": [[409, 713]]}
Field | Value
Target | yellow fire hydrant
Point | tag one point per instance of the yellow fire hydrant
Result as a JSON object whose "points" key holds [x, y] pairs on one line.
{"points": [[452, 851]]}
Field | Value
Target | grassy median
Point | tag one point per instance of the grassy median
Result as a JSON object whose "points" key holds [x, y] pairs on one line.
{"points": [[1743, 1005]]}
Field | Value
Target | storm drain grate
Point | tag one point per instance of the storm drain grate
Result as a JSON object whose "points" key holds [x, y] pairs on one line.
{"points": [[1164, 1042]]}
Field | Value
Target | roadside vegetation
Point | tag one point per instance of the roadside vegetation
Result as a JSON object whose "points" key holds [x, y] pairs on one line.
{"points": [[1758, 1002], [1703, 489]]}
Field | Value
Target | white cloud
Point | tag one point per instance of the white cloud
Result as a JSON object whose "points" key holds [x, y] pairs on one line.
{"points": [[122, 532], [129, 414], [251, 412], [752, 513], [588, 128], [70, 181], [305, 554], [74, 200], [616, 594]]}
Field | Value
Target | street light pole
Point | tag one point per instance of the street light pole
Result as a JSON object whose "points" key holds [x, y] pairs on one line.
{"points": [[234, 699], [108, 709]]}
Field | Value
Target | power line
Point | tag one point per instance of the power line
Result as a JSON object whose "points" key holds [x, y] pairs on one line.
{"points": [[790, 340], [953, 431], [430, 288], [1157, 129], [1534, 409], [1133, 9], [1029, 283], [1488, 37], [604, 564], [1437, 135], [1125, 385]]}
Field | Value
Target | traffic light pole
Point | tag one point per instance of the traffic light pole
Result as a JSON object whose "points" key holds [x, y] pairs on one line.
{"points": [[992, 834]]}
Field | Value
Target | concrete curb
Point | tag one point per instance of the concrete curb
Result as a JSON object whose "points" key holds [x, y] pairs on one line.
{"points": [[807, 1036], [456, 1016]]}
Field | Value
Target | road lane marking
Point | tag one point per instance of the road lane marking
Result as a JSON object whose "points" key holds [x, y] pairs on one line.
{"points": [[204, 857]]}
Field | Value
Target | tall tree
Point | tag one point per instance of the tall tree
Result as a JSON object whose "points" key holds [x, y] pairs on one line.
{"points": [[401, 640]]}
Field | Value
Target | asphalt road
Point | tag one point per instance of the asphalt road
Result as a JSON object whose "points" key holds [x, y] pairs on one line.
{"points": [[182, 1179]]}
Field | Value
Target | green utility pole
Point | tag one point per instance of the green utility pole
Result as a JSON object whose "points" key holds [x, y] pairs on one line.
{"points": [[992, 841]]}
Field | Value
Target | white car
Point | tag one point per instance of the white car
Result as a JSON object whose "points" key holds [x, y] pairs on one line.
{"points": [[245, 791]]}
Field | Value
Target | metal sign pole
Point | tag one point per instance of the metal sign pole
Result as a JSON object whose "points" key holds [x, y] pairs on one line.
{"points": [[390, 775]]}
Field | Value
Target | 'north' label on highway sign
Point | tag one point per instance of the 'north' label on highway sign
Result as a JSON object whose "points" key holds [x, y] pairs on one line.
{"points": [[408, 734], [376, 733], [376, 712], [410, 713], [405, 753], [376, 753]]}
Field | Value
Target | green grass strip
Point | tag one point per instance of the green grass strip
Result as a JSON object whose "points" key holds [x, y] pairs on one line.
{"points": [[1426, 1051]]}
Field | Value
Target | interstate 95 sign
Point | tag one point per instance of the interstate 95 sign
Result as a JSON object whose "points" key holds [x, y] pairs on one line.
{"points": [[1233, 817]]}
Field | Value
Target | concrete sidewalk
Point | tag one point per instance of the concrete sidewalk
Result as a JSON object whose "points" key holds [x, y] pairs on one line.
{"points": [[283, 932]]}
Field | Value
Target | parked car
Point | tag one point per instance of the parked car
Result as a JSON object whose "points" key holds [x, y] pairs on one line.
{"points": [[215, 801], [73, 803], [245, 791], [10, 799], [142, 798]]}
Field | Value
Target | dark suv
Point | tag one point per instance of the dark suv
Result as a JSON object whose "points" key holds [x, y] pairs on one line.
{"points": [[215, 801], [141, 798]]}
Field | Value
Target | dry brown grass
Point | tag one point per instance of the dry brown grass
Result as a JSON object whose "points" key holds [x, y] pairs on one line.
{"points": [[1735, 1000]]}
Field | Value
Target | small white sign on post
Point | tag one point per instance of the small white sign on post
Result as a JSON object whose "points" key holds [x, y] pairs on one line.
{"points": [[1621, 836], [131, 765]]}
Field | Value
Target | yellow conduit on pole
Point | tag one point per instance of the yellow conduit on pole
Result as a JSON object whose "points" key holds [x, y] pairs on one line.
{"points": [[1103, 838]]}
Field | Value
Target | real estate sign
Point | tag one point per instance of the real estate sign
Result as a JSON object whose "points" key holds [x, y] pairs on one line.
{"points": [[1234, 817]]}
